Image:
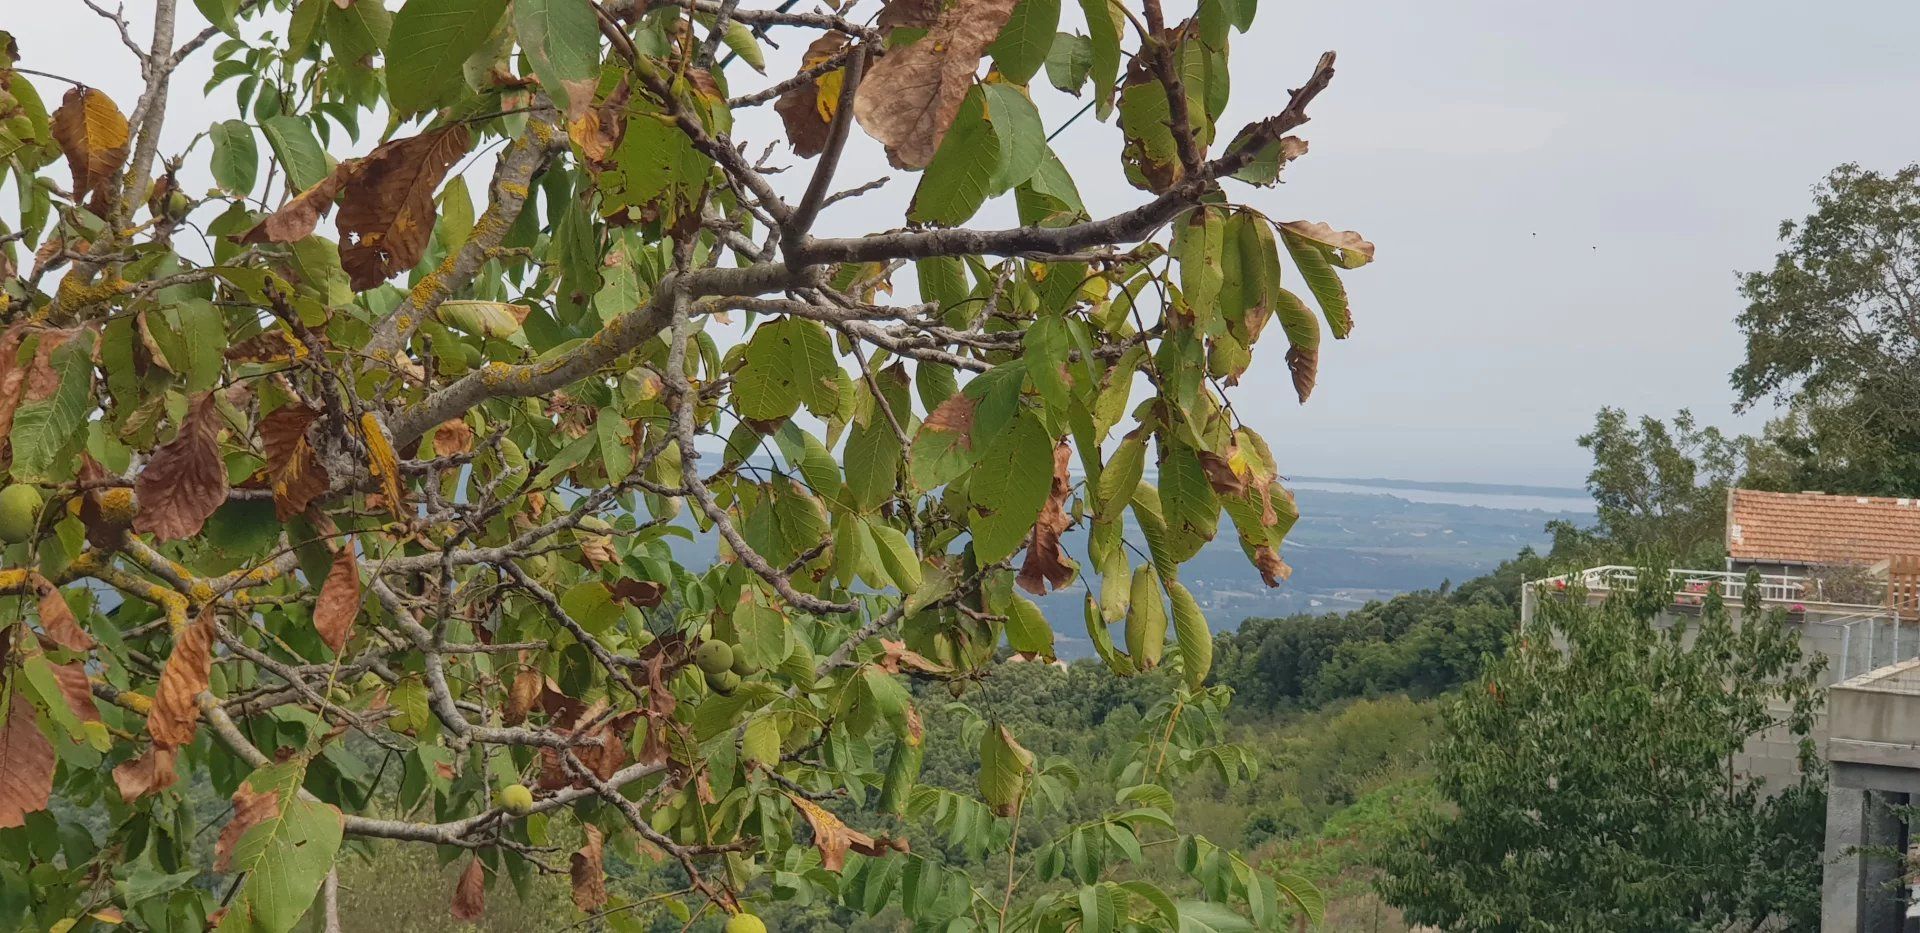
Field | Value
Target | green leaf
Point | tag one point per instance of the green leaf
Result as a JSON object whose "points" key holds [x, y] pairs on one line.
{"points": [[1102, 640], [943, 280], [431, 39], [1120, 477], [43, 430], [219, 12], [765, 636], [897, 556], [363, 30], [1192, 509], [1027, 629], [1150, 156], [943, 446], [1023, 138], [285, 856], [592, 605], [812, 458], [1026, 39], [496, 319], [1104, 27], [1199, 242], [873, 462], [1191, 634], [1049, 198], [654, 160], [1146, 619], [561, 39], [236, 158], [205, 333], [741, 41], [293, 144], [1004, 766], [788, 523], [1069, 61], [961, 175], [787, 362], [1321, 280], [1208, 917], [1007, 486]]}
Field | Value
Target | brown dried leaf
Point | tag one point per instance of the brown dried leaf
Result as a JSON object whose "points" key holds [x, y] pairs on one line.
{"points": [[1273, 570], [908, 100], [296, 219], [185, 481], [176, 708], [93, 134], [106, 510], [152, 771], [387, 211], [56, 617], [589, 872], [895, 656], [644, 594], [1305, 367], [13, 377], [292, 464], [470, 895], [76, 691], [452, 437], [597, 549], [832, 837], [269, 346], [1047, 564], [339, 603], [524, 692], [26, 763], [807, 110], [1222, 475], [953, 416], [250, 807], [908, 14], [1354, 248]]}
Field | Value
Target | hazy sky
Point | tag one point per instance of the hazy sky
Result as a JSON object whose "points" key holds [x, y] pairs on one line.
{"points": [[1560, 193]]}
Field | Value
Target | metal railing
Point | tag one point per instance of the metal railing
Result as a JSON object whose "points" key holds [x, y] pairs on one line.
{"points": [[1774, 588]]}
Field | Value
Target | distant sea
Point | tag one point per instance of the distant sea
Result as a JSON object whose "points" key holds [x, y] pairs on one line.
{"points": [[1483, 495]]}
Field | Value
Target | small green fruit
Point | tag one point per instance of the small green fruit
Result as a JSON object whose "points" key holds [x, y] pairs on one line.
{"points": [[20, 514], [745, 923], [743, 666], [724, 683], [516, 799], [714, 657]]}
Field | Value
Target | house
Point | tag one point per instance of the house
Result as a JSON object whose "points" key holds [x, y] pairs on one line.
{"points": [[1823, 537]]}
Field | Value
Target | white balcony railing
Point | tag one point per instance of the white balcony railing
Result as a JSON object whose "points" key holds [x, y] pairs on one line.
{"points": [[1774, 588]]}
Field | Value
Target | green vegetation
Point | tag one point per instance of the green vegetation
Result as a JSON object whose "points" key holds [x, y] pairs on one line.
{"points": [[1588, 783]]}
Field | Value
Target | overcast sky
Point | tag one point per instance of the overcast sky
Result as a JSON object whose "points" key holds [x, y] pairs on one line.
{"points": [[1560, 193]]}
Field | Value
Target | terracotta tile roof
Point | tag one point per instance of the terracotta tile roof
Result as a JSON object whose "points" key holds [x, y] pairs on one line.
{"points": [[1814, 528]]}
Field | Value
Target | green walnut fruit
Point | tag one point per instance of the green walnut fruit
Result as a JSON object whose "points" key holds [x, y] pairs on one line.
{"points": [[745, 923], [20, 514], [714, 657], [516, 799], [724, 682], [743, 666]]}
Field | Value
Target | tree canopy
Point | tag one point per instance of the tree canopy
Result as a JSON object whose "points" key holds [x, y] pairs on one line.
{"points": [[1833, 333], [1591, 786], [599, 503]]}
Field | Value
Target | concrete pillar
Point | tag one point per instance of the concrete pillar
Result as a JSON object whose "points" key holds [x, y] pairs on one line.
{"points": [[1861, 890]]}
